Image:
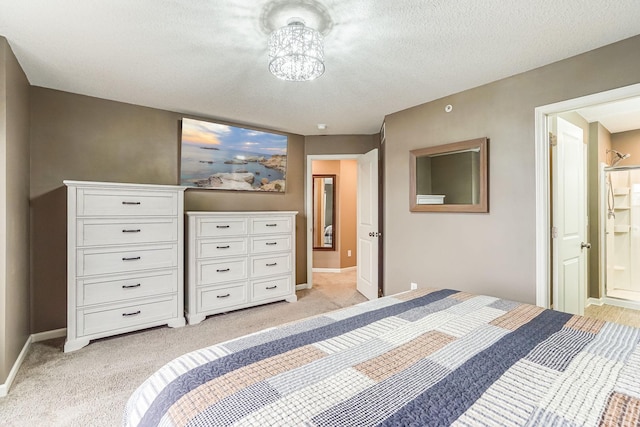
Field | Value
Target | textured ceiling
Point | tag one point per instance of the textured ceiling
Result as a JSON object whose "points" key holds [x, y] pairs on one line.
{"points": [[209, 58]]}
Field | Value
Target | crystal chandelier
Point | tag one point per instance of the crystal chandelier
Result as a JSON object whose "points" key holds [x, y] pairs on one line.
{"points": [[296, 52]]}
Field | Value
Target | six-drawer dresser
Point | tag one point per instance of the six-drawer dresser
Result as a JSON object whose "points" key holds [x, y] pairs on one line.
{"points": [[237, 260], [125, 259]]}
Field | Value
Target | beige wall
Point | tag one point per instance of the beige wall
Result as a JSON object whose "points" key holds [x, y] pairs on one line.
{"points": [[348, 186], [490, 253], [14, 209], [599, 143], [627, 142], [84, 138]]}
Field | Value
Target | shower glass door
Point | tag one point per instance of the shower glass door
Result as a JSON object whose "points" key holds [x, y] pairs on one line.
{"points": [[622, 231]]}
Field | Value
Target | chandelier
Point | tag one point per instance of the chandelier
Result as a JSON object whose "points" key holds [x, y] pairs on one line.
{"points": [[296, 52]]}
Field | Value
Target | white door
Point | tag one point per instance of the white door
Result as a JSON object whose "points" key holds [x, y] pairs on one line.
{"points": [[368, 224], [569, 218]]}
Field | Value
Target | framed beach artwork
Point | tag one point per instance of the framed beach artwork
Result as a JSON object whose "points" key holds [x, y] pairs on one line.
{"points": [[223, 157]]}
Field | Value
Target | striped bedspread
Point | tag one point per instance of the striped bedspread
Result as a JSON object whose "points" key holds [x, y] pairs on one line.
{"points": [[421, 358]]}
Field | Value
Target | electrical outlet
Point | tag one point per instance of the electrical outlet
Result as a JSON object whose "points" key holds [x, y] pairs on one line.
{"points": [[349, 252], [414, 286]]}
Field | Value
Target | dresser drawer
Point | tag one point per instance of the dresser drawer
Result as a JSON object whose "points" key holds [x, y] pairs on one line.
{"points": [[270, 265], [208, 248], [219, 297], [124, 287], [271, 225], [261, 245], [272, 288], [125, 316], [220, 227], [220, 271], [123, 259], [92, 232], [107, 202]]}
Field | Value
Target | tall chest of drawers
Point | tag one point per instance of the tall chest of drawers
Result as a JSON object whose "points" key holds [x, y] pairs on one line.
{"points": [[238, 260], [125, 259]]}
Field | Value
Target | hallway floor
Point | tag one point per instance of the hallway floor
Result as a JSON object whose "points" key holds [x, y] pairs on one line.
{"points": [[611, 313], [338, 287]]}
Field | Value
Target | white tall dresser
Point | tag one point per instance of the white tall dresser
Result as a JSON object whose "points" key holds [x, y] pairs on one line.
{"points": [[238, 260], [125, 259]]}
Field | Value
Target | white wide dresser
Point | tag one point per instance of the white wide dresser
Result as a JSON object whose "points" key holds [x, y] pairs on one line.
{"points": [[238, 260], [125, 259]]}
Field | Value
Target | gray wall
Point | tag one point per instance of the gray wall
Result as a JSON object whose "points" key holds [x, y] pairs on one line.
{"points": [[83, 138], [14, 209], [490, 253], [340, 144]]}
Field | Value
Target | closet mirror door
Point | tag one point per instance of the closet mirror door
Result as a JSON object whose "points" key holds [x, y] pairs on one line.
{"points": [[324, 212]]}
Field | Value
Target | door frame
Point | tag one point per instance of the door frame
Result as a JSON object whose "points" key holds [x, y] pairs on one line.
{"points": [[308, 191], [542, 178]]}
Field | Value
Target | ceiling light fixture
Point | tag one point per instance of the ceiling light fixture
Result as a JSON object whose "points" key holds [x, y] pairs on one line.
{"points": [[296, 52]]}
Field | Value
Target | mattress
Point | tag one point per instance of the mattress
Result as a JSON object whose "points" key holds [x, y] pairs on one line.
{"points": [[431, 357]]}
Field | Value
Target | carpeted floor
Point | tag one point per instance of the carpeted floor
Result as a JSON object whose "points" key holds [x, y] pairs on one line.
{"points": [[90, 387]]}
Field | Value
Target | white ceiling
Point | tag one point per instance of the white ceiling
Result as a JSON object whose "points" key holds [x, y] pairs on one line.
{"points": [[209, 58]]}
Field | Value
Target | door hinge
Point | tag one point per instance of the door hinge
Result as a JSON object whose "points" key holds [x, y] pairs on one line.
{"points": [[554, 232], [553, 140]]}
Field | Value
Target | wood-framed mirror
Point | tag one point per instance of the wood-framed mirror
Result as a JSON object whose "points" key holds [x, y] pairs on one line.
{"points": [[324, 212], [450, 177]]}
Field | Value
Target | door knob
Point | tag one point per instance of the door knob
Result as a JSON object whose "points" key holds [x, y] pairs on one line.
{"points": [[584, 245]]}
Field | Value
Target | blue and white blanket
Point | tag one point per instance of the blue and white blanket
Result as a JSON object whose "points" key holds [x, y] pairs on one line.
{"points": [[422, 358]]}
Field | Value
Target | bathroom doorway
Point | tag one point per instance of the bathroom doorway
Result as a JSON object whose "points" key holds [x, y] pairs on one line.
{"points": [[611, 121]]}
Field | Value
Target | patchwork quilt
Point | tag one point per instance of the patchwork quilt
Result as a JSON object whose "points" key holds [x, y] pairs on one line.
{"points": [[421, 358]]}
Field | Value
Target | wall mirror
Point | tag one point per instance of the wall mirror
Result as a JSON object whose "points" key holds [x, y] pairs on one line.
{"points": [[450, 177], [324, 212]]}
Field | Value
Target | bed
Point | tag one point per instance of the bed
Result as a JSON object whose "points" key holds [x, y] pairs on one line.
{"points": [[421, 358]]}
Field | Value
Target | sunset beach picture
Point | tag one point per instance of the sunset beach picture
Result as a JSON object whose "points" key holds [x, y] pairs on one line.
{"points": [[223, 157]]}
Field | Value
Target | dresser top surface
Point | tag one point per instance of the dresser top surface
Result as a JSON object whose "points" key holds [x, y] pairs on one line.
{"points": [[238, 213], [121, 185]]}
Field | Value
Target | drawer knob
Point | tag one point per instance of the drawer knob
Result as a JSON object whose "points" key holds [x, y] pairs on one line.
{"points": [[271, 287], [273, 264], [222, 226], [137, 285], [135, 313], [223, 270], [130, 203], [271, 243], [134, 258], [222, 247], [131, 231], [272, 225], [223, 296]]}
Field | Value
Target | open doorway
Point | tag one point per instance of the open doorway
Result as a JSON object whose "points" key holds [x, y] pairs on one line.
{"points": [[600, 117], [342, 214]]}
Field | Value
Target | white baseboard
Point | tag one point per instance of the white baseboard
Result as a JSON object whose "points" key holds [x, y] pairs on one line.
{"points": [[47, 335], [4, 388], [595, 301], [333, 270], [622, 303], [41, 336], [302, 286]]}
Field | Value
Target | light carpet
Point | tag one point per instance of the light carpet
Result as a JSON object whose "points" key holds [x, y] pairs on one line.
{"points": [[90, 387]]}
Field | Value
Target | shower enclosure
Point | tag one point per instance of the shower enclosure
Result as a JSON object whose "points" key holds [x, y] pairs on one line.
{"points": [[622, 231]]}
